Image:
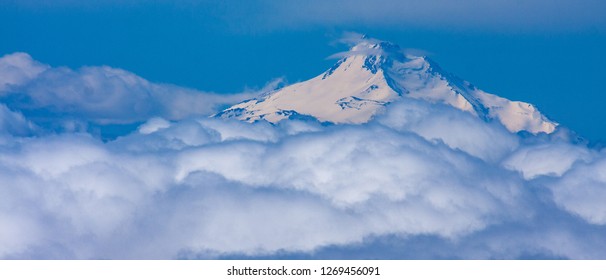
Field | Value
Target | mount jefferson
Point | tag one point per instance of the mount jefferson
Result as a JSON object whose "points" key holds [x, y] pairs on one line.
{"points": [[374, 74]]}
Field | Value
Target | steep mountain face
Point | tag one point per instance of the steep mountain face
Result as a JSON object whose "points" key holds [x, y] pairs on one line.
{"points": [[374, 74]]}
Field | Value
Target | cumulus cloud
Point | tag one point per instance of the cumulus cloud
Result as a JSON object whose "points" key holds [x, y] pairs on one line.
{"points": [[420, 181], [582, 190], [14, 123], [552, 158], [467, 133], [17, 69], [256, 191], [102, 95]]}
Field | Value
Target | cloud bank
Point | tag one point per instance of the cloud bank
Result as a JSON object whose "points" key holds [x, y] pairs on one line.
{"points": [[420, 181]]}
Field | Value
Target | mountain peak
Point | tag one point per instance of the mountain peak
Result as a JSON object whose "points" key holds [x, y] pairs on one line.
{"points": [[374, 48], [371, 44], [373, 74]]}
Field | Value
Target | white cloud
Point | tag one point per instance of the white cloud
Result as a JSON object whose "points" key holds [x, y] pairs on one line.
{"points": [[551, 159], [489, 142], [153, 125], [251, 195], [582, 191], [102, 95], [14, 123], [17, 69]]}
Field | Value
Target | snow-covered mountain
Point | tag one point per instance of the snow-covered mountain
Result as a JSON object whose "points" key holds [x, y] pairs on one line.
{"points": [[374, 74]]}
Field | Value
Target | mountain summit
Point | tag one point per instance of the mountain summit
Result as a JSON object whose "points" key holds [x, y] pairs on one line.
{"points": [[373, 74]]}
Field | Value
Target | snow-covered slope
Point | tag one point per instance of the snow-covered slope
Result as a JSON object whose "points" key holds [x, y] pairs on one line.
{"points": [[374, 74]]}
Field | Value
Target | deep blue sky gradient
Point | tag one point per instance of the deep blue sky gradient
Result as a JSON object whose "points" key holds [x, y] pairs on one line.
{"points": [[561, 70]]}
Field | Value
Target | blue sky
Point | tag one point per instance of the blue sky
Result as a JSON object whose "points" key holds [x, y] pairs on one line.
{"points": [[543, 52]]}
